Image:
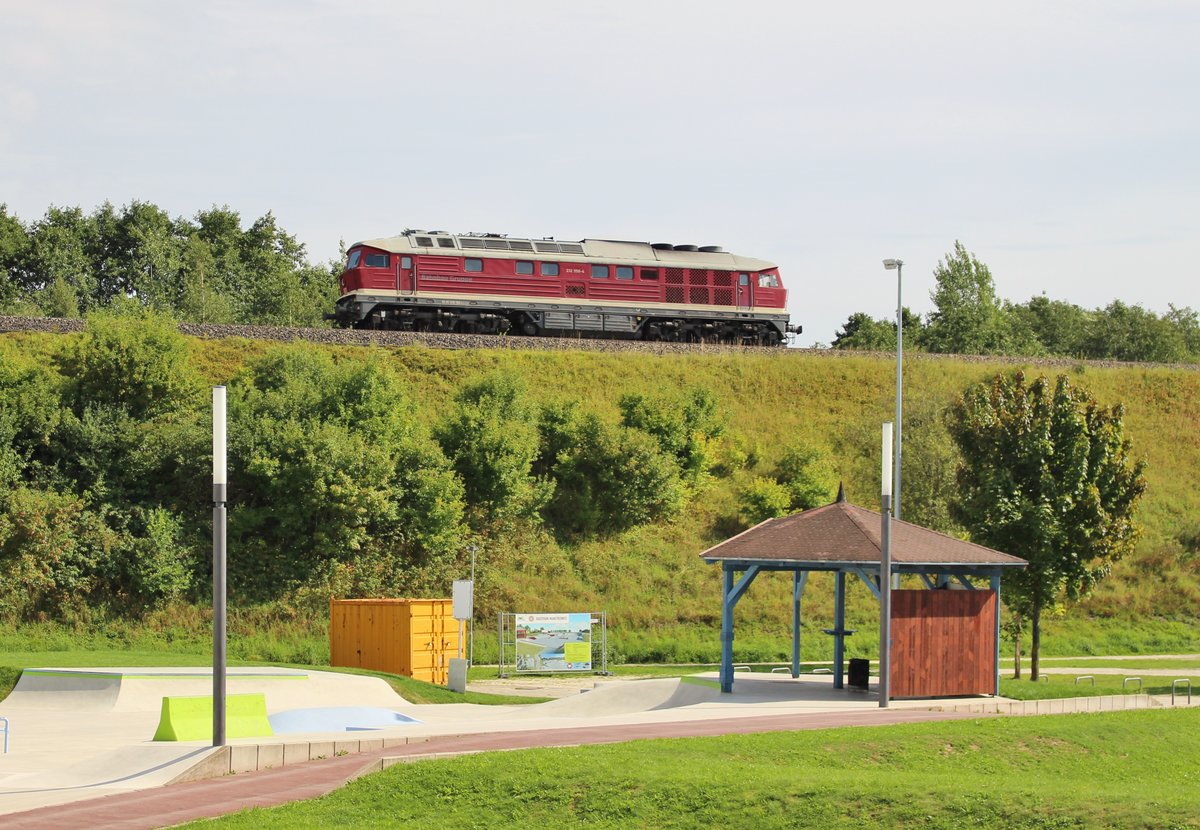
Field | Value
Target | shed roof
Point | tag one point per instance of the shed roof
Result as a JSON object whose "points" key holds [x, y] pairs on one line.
{"points": [[845, 534]]}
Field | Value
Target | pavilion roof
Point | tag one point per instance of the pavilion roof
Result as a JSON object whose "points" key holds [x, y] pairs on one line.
{"points": [[845, 534]]}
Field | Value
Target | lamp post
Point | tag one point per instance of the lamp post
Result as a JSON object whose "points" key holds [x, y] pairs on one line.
{"points": [[885, 572], [220, 482], [897, 265]]}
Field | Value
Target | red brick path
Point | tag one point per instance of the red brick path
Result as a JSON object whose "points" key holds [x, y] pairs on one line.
{"points": [[175, 804]]}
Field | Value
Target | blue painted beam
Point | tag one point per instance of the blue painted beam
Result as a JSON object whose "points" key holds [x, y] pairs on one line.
{"points": [[839, 628], [799, 579], [995, 585], [730, 595], [870, 580]]}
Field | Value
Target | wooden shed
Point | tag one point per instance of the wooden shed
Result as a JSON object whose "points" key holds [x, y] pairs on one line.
{"points": [[413, 637], [945, 637]]}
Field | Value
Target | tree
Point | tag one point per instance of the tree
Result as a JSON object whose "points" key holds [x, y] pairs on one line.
{"points": [[864, 332], [969, 318], [1048, 475], [1060, 327], [1126, 332], [492, 440], [801, 480]]}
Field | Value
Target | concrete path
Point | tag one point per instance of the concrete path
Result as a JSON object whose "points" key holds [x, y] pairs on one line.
{"points": [[167, 806]]}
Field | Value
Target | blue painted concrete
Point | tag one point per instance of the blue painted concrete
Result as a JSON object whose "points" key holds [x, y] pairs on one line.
{"points": [[336, 719]]}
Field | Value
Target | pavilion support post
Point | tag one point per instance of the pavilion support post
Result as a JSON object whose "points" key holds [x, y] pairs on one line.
{"points": [[995, 585], [839, 629], [727, 603], [799, 578]]}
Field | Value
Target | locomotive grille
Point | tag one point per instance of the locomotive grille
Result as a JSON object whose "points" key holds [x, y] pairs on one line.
{"points": [[722, 296], [674, 285], [698, 294]]}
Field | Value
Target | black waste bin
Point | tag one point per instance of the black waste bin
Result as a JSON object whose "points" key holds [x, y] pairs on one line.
{"points": [[860, 673]]}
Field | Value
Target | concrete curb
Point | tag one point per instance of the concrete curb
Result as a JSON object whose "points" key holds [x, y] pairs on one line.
{"points": [[1067, 705]]}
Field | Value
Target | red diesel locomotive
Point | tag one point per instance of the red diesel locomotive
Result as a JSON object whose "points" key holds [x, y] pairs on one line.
{"points": [[493, 284]]}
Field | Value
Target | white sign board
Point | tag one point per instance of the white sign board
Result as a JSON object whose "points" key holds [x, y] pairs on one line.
{"points": [[463, 599]]}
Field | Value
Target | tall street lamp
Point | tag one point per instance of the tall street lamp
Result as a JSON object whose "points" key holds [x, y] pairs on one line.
{"points": [[897, 265]]}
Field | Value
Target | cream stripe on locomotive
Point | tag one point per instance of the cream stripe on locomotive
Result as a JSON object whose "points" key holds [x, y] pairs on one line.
{"points": [[553, 303]]}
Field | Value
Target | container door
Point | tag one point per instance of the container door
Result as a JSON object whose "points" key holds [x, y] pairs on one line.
{"points": [[406, 279], [745, 291]]}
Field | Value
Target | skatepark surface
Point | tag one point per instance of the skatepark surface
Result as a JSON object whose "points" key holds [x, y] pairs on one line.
{"points": [[85, 733]]}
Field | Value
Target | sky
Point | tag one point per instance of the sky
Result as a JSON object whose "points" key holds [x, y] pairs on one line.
{"points": [[1059, 142]]}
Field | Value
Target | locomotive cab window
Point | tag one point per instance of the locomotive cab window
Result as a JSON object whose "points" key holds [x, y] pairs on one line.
{"points": [[355, 256], [376, 261], [524, 267], [599, 272], [472, 264], [768, 281], [549, 269], [649, 273], [624, 272], [406, 262]]}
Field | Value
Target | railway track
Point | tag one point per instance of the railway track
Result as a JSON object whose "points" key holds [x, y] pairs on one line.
{"points": [[438, 340]]}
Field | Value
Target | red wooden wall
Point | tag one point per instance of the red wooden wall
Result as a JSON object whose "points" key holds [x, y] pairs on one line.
{"points": [[943, 643]]}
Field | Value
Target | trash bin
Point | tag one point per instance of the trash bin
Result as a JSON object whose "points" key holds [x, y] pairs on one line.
{"points": [[859, 674]]}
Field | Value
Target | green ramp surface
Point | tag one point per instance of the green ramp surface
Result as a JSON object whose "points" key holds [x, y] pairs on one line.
{"points": [[191, 718]]}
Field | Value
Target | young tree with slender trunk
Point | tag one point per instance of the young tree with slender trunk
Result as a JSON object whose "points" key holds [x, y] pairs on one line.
{"points": [[1048, 475]]}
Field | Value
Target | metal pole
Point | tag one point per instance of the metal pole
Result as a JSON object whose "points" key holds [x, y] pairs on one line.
{"points": [[899, 386], [219, 574], [885, 574], [471, 622]]}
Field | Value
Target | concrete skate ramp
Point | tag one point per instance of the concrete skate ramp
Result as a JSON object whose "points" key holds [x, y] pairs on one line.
{"points": [[143, 689], [622, 696]]}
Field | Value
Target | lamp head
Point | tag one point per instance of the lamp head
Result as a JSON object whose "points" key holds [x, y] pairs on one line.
{"points": [[892, 264]]}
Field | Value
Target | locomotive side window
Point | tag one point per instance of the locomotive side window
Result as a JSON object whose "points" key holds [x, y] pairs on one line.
{"points": [[624, 272], [524, 267], [743, 279], [768, 281], [649, 273], [353, 261], [376, 261], [599, 272], [406, 262], [472, 264], [549, 269]]}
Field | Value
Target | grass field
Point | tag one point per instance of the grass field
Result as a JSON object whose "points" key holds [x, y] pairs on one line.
{"points": [[1111, 770]]}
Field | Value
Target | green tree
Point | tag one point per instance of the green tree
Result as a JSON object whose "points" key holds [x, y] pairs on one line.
{"points": [[968, 317], [608, 478], [137, 360], [1061, 328], [688, 427], [335, 475], [1048, 475], [801, 480], [1125, 332], [492, 440], [14, 244], [863, 332]]}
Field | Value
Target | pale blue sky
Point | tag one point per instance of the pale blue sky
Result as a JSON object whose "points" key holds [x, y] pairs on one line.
{"points": [[1059, 141]]}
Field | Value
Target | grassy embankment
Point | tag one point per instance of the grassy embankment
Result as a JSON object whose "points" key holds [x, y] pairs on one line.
{"points": [[662, 602], [1110, 770]]}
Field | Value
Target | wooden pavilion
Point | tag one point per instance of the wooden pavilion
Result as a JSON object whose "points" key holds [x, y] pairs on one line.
{"points": [[944, 642]]}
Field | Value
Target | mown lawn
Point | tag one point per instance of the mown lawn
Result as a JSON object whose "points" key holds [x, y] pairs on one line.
{"points": [[1072, 771]]}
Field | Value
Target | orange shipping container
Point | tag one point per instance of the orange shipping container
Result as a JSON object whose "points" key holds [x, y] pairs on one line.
{"points": [[413, 637]]}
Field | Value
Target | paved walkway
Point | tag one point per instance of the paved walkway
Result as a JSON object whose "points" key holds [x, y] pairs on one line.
{"points": [[167, 806]]}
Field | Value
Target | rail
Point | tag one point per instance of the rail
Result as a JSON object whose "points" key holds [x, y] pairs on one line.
{"points": [[1175, 683], [742, 668], [1086, 677], [5, 720], [1125, 683], [781, 670]]}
